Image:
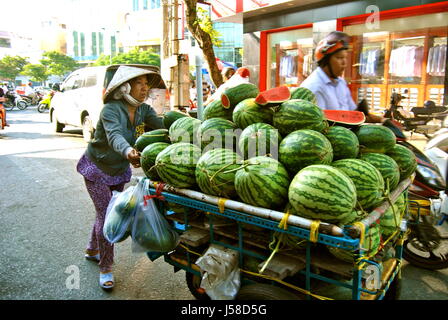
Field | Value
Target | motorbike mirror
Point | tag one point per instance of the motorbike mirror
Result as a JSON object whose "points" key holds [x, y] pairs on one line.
{"points": [[56, 87]]}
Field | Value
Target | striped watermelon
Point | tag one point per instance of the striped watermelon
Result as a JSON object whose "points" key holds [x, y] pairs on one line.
{"points": [[176, 164], [248, 112], [386, 166], [158, 135], [367, 179], [263, 182], [215, 172], [216, 110], [375, 138], [302, 148], [298, 114], [371, 245], [406, 160], [344, 142], [391, 219], [184, 130], [322, 192], [259, 139], [171, 116], [304, 94], [234, 95], [357, 215], [217, 133], [148, 159]]}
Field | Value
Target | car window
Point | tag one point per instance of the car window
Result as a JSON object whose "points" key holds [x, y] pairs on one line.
{"points": [[78, 83], [90, 80], [69, 83]]}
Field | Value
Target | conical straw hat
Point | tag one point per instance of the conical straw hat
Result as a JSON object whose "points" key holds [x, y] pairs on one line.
{"points": [[126, 73]]}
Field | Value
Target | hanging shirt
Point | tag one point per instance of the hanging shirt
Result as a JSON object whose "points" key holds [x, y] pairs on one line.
{"points": [[330, 95]]}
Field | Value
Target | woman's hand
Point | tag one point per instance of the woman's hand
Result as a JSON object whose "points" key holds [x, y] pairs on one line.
{"points": [[134, 158]]}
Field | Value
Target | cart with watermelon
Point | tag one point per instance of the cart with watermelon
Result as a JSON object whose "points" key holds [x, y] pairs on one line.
{"points": [[322, 219], [308, 272]]}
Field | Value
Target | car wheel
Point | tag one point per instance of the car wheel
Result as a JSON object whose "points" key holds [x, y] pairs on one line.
{"points": [[87, 129], [58, 127]]}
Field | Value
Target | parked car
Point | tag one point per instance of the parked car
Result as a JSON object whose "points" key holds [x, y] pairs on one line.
{"points": [[79, 99]]}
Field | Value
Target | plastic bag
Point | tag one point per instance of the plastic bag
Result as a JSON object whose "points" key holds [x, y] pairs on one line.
{"points": [[120, 213], [150, 230], [220, 273]]}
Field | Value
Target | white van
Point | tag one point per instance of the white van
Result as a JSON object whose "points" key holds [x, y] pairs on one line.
{"points": [[79, 99]]}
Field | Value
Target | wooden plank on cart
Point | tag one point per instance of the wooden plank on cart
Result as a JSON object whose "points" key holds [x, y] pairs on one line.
{"points": [[389, 267], [195, 237], [282, 266]]}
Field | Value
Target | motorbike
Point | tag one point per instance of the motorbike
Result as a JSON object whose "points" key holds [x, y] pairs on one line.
{"points": [[44, 104], [14, 100], [426, 245], [425, 120]]}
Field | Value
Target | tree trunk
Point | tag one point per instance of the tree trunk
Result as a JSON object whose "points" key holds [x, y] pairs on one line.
{"points": [[204, 41]]}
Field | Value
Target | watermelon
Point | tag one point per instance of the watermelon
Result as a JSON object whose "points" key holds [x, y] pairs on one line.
{"points": [[216, 110], [234, 95], [215, 172], [322, 192], [159, 135], [263, 182], [356, 215], [171, 116], [345, 117], [302, 148], [386, 166], [304, 94], [371, 245], [217, 133], [375, 138], [298, 114], [248, 112], [176, 164], [367, 179], [391, 220], [148, 159], [184, 130], [259, 139], [344, 142], [406, 160], [274, 96]]}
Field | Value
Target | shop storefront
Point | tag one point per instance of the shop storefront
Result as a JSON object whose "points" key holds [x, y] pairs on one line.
{"points": [[403, 51]]}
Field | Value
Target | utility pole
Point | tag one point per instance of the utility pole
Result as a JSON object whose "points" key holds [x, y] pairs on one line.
{"points": [[175, 66]]}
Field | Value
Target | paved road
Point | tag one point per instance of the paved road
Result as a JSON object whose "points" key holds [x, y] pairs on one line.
{"points": [[46, 218]]}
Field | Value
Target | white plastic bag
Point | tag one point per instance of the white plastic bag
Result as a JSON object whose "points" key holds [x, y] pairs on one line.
{"points": [[220, 273], [150, 230]]}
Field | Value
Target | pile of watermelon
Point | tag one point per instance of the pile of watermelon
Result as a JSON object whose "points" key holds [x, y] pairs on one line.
{"points": [[276, 149]]}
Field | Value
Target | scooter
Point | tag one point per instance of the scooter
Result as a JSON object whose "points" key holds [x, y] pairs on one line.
{"points": [[425, 120], [426, 245], [44, 104], [14, 100]]}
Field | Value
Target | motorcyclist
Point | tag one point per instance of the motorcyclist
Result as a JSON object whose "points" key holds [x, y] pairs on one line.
{"points": [[2, 109], [326, 80]]}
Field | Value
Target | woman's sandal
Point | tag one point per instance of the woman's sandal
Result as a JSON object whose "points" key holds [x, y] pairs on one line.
{"points": [[91, 257], [106, 280]]}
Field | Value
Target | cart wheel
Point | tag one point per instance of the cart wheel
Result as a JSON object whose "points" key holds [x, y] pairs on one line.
{"points": [[260, 291], [394, 291], [193, 283]]}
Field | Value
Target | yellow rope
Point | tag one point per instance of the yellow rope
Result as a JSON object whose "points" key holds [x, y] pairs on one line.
{"points": [[284, 222], [362, 229], [221, 203], [314, 231]]}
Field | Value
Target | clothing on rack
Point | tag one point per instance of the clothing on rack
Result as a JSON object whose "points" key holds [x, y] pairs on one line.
{"points": [[436, 60], [307, 64], [406, 61], [288, 66], [369, 62]]}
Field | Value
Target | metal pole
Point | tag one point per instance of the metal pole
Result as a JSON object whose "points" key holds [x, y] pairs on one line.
{"points": [[198, 62]]}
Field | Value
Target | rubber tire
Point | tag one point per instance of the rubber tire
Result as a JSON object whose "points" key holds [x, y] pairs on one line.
{"points": [[261, 291], [422, 262], [58, 127], [8, 106], [22, 105], [193, 282], [41, 107], [87, 129]]}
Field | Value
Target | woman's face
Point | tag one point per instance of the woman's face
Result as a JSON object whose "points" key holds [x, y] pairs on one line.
{"points": [[139, 88], [338, 62]]}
